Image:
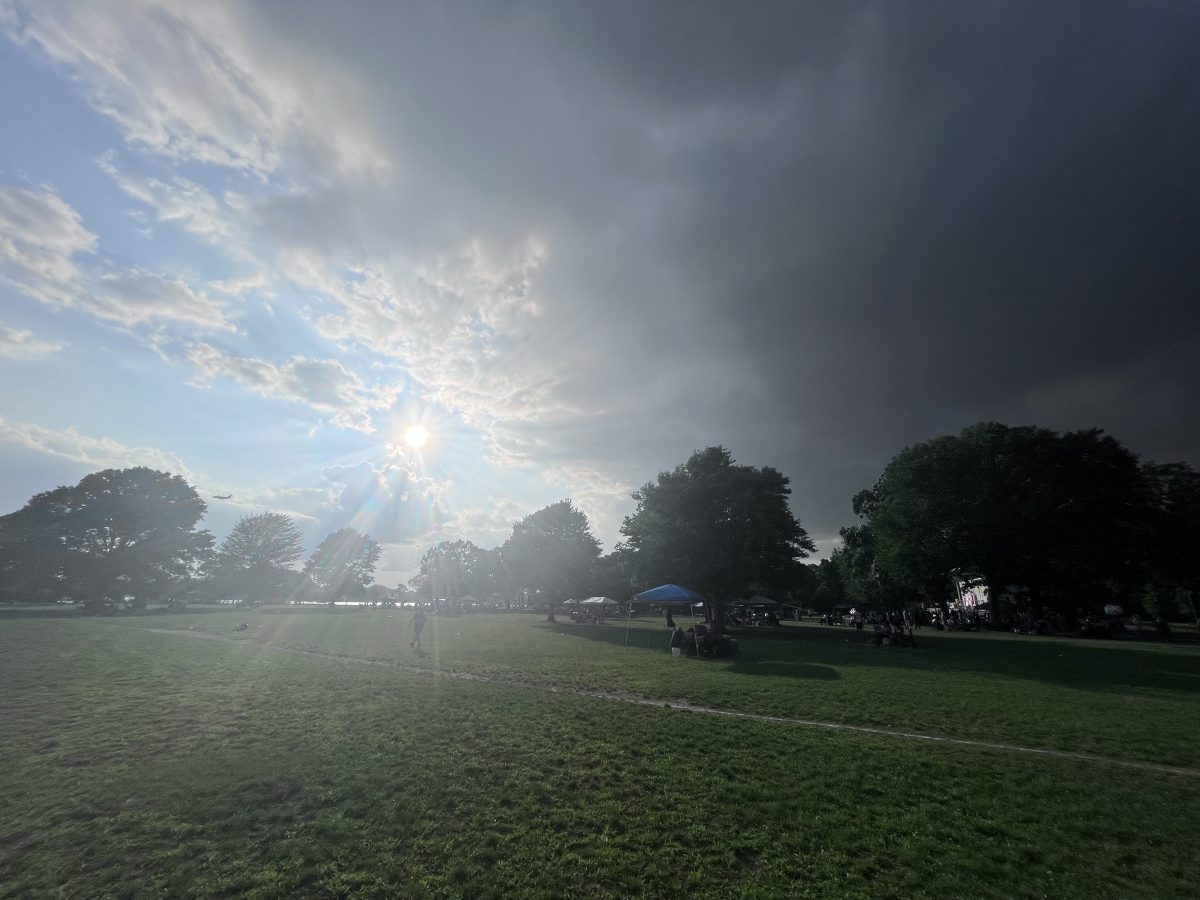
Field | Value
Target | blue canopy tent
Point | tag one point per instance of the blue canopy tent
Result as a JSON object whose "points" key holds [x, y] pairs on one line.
{"points": [[664, 594], [668, 593]]}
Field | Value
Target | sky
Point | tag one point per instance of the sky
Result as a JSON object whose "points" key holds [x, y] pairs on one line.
{"points": [[253, 243]]}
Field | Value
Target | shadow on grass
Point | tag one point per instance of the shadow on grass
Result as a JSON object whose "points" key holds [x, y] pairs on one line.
{"points": [[1108, 667], [1111, 666], [750, 661]]}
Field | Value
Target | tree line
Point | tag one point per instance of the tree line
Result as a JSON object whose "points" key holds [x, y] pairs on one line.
{"points": [[725, 530], [1071, 521], [131, 535], [722, 528]]}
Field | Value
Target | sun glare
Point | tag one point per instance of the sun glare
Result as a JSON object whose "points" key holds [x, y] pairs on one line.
{"points": [[416, 436]]}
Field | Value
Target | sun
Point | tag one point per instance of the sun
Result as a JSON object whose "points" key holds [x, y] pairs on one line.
{"points": [[416, 436]]}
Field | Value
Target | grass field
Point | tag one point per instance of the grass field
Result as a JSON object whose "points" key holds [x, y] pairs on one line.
{"points": [[142, 763]]}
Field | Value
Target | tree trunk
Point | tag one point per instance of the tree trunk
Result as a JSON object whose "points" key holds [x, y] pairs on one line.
{"points": [[550, 610], [718, 616], [999, 610]]}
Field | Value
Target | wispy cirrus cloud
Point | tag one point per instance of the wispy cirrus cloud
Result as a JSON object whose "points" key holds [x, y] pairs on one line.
{"points": [[40, 237], [177, 201], [94, 451], [189, 82], [325, 385], [40, 234], [17, 343]]}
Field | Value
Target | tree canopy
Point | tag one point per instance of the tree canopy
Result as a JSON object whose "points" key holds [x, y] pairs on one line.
{"points": [[343, 563], [1062, 514], [724, 529], [454, 569], [552, 551], [254, 559], [117, 533]]}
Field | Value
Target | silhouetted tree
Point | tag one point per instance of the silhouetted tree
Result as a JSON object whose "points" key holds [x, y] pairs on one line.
{"points": [[343, 563], [1060, 513], [117, 533], [1172, 539], [456, 568], [613, 575], [724, 529], [254, 559], [553, 551]]}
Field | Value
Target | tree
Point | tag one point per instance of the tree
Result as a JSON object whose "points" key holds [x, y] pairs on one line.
{"points": [[1058, 513], [1172, 538], [724, 529], [829, 591], [454, 569], [613, 575], [552, 551], [343, 564], [117, 533], [255, 558]]}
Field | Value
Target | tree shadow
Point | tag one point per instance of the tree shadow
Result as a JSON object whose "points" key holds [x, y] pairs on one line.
{"points": [[779, 668], [1115, 666], [751, 661]]}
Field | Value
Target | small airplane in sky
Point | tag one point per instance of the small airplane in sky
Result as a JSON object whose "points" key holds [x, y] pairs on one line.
{"points": [[221, 496]]}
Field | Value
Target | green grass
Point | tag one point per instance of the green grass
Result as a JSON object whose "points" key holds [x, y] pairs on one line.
{"points": [[1131, 700], [145, 764]]}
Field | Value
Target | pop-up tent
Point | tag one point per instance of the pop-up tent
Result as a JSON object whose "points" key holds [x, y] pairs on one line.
{"points": [[663, 594], [667, 593], [759, 600], [599, 601]]}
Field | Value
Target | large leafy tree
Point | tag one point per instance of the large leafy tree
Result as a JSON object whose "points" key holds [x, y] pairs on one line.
{"points": [[1059, 513], [552, 551], [255, 558], [613, 575], [829, 590], [343, 563], [117, 533], [1173, 536], [722, 528], [456, 568]]}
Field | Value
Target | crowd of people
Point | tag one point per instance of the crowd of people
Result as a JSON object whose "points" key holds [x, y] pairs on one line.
{"points": [[701, 640]]}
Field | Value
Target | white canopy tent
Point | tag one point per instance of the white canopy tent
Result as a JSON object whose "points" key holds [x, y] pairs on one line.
{"points": [[599, 601]]}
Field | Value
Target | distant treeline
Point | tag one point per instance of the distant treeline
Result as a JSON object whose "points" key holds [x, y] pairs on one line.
{"points": [[1069, 521]]}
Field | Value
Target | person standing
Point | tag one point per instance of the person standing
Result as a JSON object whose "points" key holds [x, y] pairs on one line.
{"points": [[857, 618], [418, 625]]}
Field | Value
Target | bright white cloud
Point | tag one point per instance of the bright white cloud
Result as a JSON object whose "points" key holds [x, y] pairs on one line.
{"points": [[187, 81], [180, 201], [326, 385], [39, 234], [136, 297], [236, 287], [95, 452], [461, 324], [16, 343]]}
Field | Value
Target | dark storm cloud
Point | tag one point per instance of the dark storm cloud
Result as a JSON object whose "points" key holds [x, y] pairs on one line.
{"points": [[815, 233]]}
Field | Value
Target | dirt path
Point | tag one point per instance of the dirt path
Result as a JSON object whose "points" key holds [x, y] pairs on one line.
{"points": [[686, 706]]}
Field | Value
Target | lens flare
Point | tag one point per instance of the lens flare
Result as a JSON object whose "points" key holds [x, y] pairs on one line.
{"points": [[416, 436]]}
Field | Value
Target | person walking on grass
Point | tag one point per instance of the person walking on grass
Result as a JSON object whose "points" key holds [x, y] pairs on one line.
{"points": [[418, 624]]}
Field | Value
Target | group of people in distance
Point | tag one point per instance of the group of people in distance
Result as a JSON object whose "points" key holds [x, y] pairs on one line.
{"points": [[700, 640], [893, 632]]}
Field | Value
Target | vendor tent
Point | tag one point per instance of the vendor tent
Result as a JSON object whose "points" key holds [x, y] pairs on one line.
{"points": [[760, 600], [599, 601], [663, 594], [668, 593]]}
